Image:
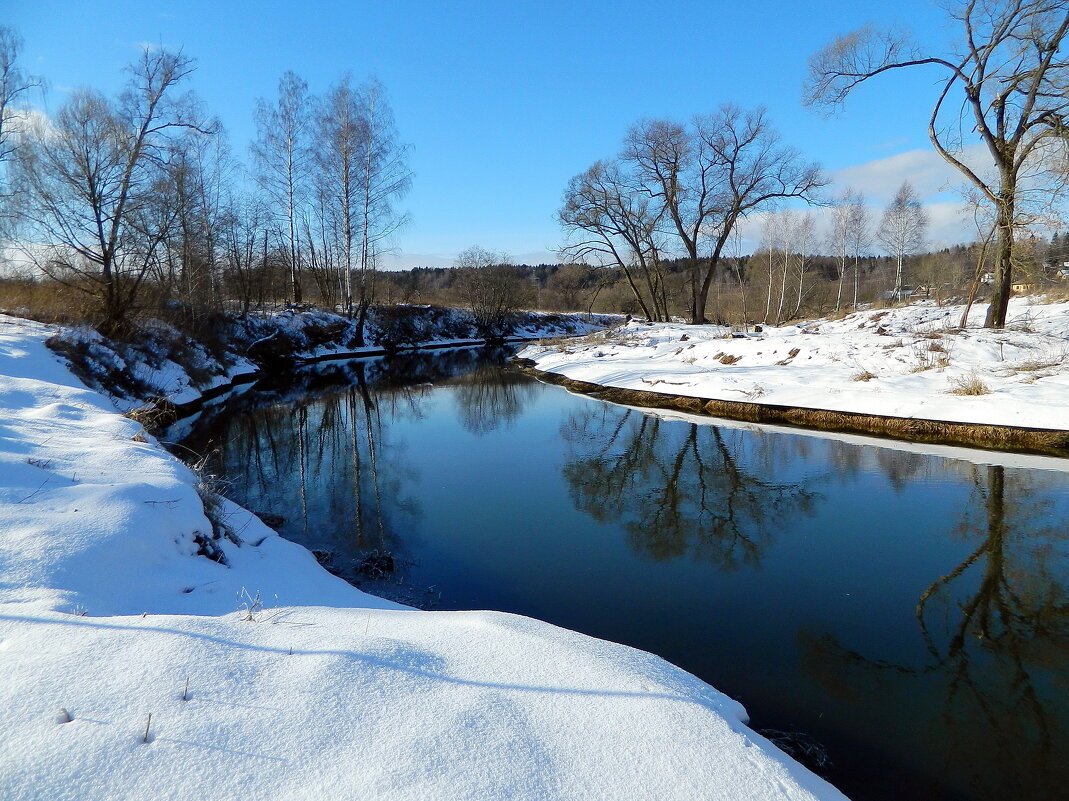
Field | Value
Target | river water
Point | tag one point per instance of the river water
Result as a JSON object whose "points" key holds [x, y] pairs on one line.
{"points": [[896, 615]]}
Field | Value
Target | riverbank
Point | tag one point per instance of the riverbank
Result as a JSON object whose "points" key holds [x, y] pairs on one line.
{"points": [[150, 648], [163, 366], [906, 372]]}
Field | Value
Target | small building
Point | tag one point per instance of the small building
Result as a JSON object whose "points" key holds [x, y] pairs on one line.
{"points": [[1023, 287]]}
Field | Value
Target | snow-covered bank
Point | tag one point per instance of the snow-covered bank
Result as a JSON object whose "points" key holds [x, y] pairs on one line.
{"points": [[162, 363], [908, 363], [106, 610]]}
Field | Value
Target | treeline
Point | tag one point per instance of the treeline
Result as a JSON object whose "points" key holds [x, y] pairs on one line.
{"points": [[138, 201], [771, 285]]}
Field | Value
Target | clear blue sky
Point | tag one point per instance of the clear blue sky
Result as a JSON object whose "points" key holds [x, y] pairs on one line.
{"points": [[503, 102]]}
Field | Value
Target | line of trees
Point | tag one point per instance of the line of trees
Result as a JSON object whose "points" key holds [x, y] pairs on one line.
{"points": [[139, 199]]}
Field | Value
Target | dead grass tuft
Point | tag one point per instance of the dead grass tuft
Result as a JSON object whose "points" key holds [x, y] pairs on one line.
{"points": [[969, 384]]}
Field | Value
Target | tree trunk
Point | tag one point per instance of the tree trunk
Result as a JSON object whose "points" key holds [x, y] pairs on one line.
{"points": [[1000, 294]]}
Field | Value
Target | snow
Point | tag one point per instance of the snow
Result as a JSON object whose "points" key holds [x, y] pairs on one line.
{"points": [[903, 362], [299, 685]]}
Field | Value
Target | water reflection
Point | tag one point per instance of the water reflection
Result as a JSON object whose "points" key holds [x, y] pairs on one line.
{"points": [[681, 489], [319, 458], [489, 398], [910, 610], [996, 632]]}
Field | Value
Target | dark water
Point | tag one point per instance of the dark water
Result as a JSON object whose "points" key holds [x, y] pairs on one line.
{"points": [[907, 613]]}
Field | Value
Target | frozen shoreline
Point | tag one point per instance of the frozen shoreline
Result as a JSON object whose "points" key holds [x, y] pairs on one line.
{"points": [[106, 609]]}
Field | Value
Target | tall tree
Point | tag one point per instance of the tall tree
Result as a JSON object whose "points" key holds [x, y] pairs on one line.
{"points": [[14, 85], [1009, 71], [340, 140], [610, 220], [95, 183], [282, 157], [385, 177], [709, 176], [902, 230], [859, 236], [848, 226]]}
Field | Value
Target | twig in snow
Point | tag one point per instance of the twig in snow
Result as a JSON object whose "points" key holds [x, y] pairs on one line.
{"points": [[148, 723], [37, 491]]}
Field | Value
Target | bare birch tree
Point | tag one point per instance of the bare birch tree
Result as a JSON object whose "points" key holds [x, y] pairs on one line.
{"points": [[902, 230], [859, 237], [1008, 68], [339, 150], [14, 86], [282, 157], [385, 177]]}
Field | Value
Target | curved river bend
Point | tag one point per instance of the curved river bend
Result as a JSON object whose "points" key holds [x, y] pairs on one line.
{"points": [[903, 614]]}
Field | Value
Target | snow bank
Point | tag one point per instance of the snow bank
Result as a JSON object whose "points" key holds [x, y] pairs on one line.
{"points": [[299, 685], [161, 362], [909, 362]]}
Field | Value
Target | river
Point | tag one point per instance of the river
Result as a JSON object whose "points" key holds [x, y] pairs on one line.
{"points": [[895, 615]]}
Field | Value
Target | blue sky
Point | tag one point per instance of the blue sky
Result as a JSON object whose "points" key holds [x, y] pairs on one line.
{"points": [[503, 102]]}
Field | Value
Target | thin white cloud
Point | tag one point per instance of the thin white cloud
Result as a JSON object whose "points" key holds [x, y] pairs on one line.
{"points": [[926, 170]]}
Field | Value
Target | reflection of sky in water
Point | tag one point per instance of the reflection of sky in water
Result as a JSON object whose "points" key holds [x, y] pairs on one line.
{"points": [[908, 610]]}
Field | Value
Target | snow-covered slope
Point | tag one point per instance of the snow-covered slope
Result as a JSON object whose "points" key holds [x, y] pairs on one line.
{"points": [[319, 691], [909, 362]]}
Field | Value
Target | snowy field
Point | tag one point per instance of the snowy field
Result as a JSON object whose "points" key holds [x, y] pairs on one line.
{"points": [[268, 678], [909, 362]]}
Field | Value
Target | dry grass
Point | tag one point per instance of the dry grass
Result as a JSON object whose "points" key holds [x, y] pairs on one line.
{"points": [[930, 356], [1043, 362], [863, 375], [46, 302], [969, 384]]}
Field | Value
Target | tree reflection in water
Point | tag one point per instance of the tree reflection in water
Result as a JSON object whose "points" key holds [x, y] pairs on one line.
{"points": [[489, 397], [996, 632], [315, 470], [679, 488], [327, 470]]}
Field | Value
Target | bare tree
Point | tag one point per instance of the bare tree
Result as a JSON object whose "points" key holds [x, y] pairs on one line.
{"points": [[490, 287], [726, 166], [14, 85], [241, 225], [200, 171], [788, 226], [859, 237], [902, 230], [282, 157], [804, 242], [610, 220], [94, 183], [1008, 68], [841, 235], [385, 177], [340, 141]]}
